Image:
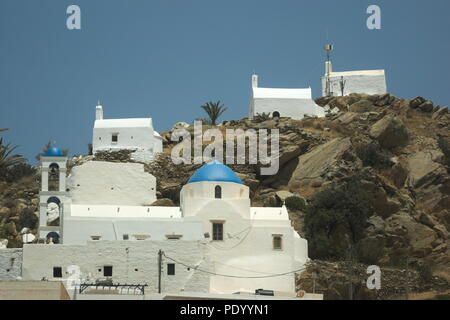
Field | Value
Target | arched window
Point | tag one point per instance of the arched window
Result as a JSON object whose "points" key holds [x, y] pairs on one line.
{"points": [[218, 192], [53, 177], [52, 237], [55, 200], [53, 211], [276, 114]]}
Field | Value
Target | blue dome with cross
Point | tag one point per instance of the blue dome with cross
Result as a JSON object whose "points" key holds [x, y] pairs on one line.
{"points": [[215, 171], [54, 152]]}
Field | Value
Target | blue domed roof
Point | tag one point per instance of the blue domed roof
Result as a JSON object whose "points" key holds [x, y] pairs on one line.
{"points": [[215, 171], [54, 152]]}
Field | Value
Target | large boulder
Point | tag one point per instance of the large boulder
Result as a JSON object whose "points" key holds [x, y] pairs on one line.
{"points": [[283, 195], [362, 106], [384, 100], [422, 166], [429, 179], [347, 117], [427, 106], [419, 237], [323, 162], [4, 211], [163, 202], [390, 132], [440, 113], [416, 102]]}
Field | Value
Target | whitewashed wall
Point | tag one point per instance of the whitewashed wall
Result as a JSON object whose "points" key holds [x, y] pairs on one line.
{"points": [[10, 264], [108, 183], [80, 230], [133, 134], [132, 262], [292, 108], [367, 84]]}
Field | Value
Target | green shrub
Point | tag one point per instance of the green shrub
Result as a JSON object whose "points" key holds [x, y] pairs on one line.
{"points": [[271, 202], [295, 203], [261, 117], [425, 271], [17, 172], [336, 218], [28, 219], [372, 155], [369, 251], [397, 260]]}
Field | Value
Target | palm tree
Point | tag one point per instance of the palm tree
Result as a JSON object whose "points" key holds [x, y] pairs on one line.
{"points": [[214, 110], [7, 159]]}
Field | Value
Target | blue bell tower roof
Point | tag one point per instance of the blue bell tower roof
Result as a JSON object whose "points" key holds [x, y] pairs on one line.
{"points": [[54, 152], [215, 171]]}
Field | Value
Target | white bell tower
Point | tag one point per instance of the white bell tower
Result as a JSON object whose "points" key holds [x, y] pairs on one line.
{"points": [[52, 196]]}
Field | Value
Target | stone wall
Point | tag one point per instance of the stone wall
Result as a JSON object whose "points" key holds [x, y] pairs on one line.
{"points": [[10, 264]]}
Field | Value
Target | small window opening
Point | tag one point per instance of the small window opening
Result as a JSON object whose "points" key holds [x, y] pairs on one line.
{"points": [[107, 271], [217, 231], [57, 272], [277, 242], [218, 192], [171, 269]]}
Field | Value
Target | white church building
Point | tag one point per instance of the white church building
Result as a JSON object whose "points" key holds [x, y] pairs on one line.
{"points": [[281, 102], [214, 242], [135, 134], [347, 82]]}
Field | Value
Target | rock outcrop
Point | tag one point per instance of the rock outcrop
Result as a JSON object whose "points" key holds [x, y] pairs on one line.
{"points": [[390, 132]]}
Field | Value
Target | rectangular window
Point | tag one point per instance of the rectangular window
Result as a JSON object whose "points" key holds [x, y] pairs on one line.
{"points": [[57, 272], [107, 271], [171, 269], [277, 242], [217, 231], [115, 137], [126, 237]]}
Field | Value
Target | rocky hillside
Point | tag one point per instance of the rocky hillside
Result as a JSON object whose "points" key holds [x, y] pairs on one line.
{"points": [[369, 183], [19, 204]]}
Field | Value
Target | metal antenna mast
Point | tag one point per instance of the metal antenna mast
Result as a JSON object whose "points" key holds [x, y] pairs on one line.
{"points": [[328, 48]]}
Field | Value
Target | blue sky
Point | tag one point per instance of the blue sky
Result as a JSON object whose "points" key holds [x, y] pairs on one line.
{"points": [[164, 58]]}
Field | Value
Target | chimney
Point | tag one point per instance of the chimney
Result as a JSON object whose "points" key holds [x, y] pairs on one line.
{"points": [[98, 112], [254, 81]]}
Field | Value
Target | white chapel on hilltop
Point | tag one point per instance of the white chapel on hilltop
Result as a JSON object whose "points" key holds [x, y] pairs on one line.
{"points": [[136, 134], [291, 103], [344, 83]]}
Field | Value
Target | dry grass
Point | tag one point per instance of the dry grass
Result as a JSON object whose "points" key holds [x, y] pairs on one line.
{"points": [[429, 295]]}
